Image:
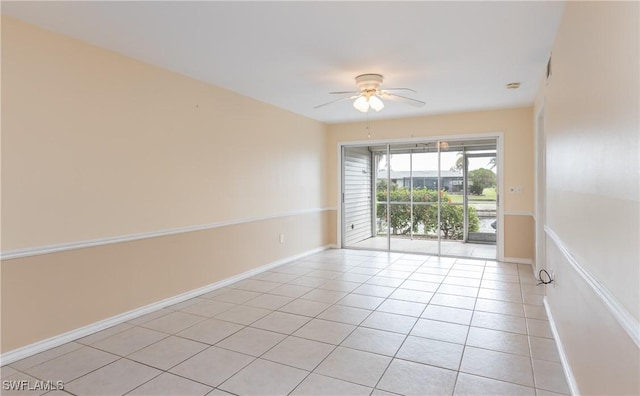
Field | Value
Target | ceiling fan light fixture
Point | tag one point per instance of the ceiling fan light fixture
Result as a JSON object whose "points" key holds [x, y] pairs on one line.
{"points": [[376, 103], [370, 95], [361, 104]]}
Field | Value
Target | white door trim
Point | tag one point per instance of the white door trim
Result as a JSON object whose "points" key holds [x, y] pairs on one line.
{"points": [[540, 170]]}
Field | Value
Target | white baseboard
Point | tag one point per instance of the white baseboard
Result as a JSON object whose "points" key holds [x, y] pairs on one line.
{"points": [[517, 260], [571, 380], [41, 346]]}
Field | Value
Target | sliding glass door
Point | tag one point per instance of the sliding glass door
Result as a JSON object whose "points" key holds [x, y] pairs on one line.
{"points": [[413, 199], [422, 197]]}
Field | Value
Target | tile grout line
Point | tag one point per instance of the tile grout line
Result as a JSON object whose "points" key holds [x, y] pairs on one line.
{"points": [[412, 327], [336, 346], [466, 339], [291, 335]]}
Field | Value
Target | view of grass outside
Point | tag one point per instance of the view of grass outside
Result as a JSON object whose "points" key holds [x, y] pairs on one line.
{"points": [[488, 194]]}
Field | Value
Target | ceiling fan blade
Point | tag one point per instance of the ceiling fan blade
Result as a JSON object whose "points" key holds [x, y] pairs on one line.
{"points": [[344, 92], [400, 89], [335, 101], [404, 99]]}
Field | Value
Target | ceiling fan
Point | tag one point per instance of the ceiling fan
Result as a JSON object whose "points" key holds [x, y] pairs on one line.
{"points": [[370, 93]]}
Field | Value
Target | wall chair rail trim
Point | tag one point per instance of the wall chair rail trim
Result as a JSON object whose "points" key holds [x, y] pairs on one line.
{"points": [[20, 253], [518, 213], [619, 312]]}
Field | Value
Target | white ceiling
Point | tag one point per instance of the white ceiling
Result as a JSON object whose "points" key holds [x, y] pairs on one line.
{"points": [[458, 56]]}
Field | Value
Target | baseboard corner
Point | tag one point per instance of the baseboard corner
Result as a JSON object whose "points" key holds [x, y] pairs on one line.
{"points": [[518, 260]]}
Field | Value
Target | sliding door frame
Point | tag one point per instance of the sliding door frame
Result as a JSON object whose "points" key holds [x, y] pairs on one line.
{"points": [[498, 136], [466, 156]]}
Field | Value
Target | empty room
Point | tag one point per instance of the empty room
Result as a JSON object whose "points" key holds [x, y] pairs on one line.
{"points": [[320, 198]]}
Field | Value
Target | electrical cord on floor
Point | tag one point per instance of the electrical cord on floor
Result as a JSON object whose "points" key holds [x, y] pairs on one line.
{"points": [[544, 281]]}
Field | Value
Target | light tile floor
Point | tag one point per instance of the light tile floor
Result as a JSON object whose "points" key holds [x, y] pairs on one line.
{"points": [[341, 322]]}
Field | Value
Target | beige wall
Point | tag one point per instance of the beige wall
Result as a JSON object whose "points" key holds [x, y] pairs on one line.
{"points": [[519, 240], [591, 114], [47, 295], [96, 145], [515, 124]]}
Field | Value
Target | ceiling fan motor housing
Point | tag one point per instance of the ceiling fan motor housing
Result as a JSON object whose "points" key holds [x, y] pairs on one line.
{"points": [[368, 82]]}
